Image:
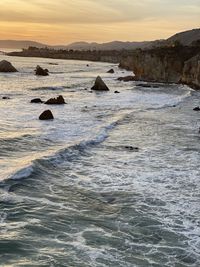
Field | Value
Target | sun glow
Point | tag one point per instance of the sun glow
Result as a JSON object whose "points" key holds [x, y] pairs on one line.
{"points": [[65, 21]]}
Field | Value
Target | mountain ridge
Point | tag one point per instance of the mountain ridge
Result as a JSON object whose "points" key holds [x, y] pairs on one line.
{"points": [[185, 38]]}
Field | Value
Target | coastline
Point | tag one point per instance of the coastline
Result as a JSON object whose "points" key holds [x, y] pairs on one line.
{"points": [[178, 64]]}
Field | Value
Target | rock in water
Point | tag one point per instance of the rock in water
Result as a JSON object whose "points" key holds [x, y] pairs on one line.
{"points": [[196, 109], [41, 72], [111, 71], [46, 115], [56, 101], [6, 66], [36, 100], [100, 85]]}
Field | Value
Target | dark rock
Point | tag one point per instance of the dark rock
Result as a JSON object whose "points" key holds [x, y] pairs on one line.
{"points": [[46, 115], [126, 78], [117, 92], [41, 72], [131, 148], [36, 100], [56, 101], [6, 66], [54, 64], [5, 97], [87, 65], [196, 109], [100, 85], [111, 71]]}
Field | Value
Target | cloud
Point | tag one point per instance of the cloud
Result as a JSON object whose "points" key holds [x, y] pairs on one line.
{"points": [[93, 11], [71, 20]]}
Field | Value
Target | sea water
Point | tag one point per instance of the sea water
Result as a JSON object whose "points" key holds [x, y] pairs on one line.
{"points": [[75, 191]]}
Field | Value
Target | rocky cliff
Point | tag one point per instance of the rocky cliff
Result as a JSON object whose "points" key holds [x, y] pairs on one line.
{"points": [[178, 64], [165, 64], [191, 72]]}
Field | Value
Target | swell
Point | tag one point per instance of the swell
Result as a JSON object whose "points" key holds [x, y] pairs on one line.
{"points": [[22, 143], [69, 153], [50, 88]]}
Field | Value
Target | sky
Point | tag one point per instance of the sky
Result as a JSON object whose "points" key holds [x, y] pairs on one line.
{"points": [[66, 21]]}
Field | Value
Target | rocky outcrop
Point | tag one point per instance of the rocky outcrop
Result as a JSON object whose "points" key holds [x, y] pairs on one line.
{"points": [[191, 72], [100, 85], [41, 72], [56, 101], [6, 66], [46, 115], [164, 64]]}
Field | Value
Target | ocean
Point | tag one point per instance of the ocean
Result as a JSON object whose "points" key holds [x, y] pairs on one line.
{"points": [[75, 191]]}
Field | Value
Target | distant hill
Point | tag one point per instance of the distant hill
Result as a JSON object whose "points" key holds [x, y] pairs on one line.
{"points": [[115, 45], [13, 44], [185, 38]]}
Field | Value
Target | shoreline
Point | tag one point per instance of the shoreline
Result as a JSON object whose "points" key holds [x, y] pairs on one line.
{"points": [[179, 64]]}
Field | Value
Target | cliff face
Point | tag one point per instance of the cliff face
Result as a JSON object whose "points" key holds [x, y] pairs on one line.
{"points": [[191, 72], [169, 65]]}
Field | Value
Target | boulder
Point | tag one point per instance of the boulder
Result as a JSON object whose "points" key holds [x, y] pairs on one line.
{"points": [[36, 100], [111, 71], [117, 92], [6, 66], [196, 109], [5, 97], [56, 101], [126, 78], [46, 115], [41, 72], [99, 85]]}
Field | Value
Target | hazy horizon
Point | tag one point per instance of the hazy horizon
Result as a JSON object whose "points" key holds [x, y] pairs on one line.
{"points": [[64, 22]]}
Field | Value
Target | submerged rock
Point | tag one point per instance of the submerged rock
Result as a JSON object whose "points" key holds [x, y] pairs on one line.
{"points": [[6, 66], [100, 85], [54, 64], [56, 101], [41, 72], [131, 148], [36, 100], [126, 78], [46, 115], [111, 71]]}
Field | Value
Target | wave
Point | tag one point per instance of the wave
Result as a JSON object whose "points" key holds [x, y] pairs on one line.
{"points": [[66, 154], [50, 88]]}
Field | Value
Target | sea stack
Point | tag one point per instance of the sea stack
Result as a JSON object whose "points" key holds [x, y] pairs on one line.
{"points": [[6, 66], [46, 115], [41, 72], [100, 85]]}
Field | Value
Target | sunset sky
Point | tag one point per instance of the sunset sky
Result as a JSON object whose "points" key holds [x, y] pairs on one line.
{"points": [[65, 21]]}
